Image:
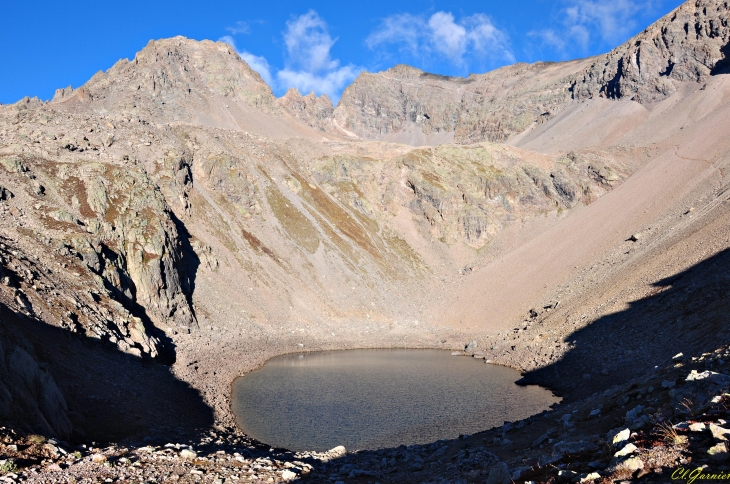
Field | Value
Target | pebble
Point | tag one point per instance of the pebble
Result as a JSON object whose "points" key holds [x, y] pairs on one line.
{"points": [[98, 458], [187, 454], [288, 475], [632, 464], [718, 453], [593, 476]]}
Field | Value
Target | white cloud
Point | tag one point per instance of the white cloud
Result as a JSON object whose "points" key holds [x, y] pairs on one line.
{"points": [[308, 43], [331, 83], [242, 27], [447, 37], [580, 35], [308, 65], [473, 37], [613, 19], [585, 22], [257, 63], [403, 29], [486, 38], [549, 38]]}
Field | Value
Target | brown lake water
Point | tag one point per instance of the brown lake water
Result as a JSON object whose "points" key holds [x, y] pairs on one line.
{"points": [[371, 399]]}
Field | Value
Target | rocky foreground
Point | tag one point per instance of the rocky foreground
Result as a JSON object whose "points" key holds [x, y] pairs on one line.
{"points": [[671, 425]]}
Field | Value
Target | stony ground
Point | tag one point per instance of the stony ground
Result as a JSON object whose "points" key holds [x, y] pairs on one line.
{"points": [[670, 425]]}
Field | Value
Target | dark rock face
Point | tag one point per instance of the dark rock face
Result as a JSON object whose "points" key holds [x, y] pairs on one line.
{"points": [[28, 391]]}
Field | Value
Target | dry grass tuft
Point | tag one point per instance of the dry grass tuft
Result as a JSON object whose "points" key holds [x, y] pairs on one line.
{"points": [[669, 434], [36, 439], [688, 406]]}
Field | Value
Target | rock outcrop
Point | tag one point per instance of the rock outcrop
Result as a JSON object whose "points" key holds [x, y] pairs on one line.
{"points": [[468, 194], [483, 107], [687, 45], [315, 112]]}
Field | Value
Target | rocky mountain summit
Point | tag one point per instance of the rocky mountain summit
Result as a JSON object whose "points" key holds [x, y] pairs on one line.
{"points": [[171, 225], [174, 80]]}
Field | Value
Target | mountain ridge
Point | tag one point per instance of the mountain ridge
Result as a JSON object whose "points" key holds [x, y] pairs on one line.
{"points": [[426, 108]]}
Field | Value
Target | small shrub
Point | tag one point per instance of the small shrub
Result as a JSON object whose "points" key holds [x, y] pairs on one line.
{"points": [[8, 466]]}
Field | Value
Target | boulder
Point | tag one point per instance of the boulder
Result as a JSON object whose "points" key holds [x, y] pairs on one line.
{"points": [[626, 450], [288, 475], [719, 452], [621, 438], [187, 454], [5, 194], [499, 474], [719, 433], [337, 452]]}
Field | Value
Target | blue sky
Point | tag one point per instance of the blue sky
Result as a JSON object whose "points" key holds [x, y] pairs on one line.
{"points": [[314, 45]]}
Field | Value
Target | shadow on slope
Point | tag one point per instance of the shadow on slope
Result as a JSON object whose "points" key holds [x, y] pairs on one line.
{"points": [[107, 395], [723, 65], [189, 263], [688, 312]]}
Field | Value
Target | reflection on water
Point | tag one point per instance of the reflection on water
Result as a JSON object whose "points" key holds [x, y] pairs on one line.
{"points": [[369, 399]]}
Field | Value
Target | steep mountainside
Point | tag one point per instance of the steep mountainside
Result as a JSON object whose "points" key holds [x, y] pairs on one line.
{"points": [[153, 229]]}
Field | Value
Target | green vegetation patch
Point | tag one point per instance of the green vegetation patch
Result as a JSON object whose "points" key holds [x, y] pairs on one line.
{"points": [[339, 217], [405, 252], [296, 225]]}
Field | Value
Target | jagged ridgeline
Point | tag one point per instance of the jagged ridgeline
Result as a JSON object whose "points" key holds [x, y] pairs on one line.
{"points": [[173, 210], [174, 79]]}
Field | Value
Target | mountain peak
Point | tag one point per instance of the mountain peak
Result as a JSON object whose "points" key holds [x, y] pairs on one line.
{"points": [[176, 79]]}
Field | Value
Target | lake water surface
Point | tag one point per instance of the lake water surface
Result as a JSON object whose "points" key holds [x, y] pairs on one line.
{"points": [[370, 399]]}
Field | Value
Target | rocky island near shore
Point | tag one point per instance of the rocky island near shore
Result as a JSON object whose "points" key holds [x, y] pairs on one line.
{"points": [[171, 225]]}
